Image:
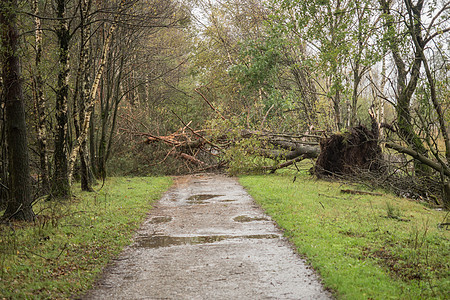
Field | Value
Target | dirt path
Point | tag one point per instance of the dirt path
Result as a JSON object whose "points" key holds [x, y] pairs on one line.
{"points": [[206, 239]]}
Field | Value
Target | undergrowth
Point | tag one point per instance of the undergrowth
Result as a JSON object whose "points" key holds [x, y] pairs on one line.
{"points": [[363, 246], [61, 254]]}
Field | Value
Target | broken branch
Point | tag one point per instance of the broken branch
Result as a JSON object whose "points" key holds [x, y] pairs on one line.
{"points": [[209, 103], [420, 157]]}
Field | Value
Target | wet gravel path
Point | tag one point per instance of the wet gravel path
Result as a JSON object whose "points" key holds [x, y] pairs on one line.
{"points": [[206, 239]]}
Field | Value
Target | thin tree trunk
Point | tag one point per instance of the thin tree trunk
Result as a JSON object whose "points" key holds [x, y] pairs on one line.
{"points": [[4, 176], [117, 99], [105, 142], [80, 109], [40, 103], [406, 84], [92, 143], [61, 183], [19, 202], [381, 101], [418, 42], [356, 81], [91, 100], [337, 109]]}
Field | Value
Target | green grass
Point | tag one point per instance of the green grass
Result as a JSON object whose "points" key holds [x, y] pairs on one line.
{"points": [[61, 255], [364, 247]]}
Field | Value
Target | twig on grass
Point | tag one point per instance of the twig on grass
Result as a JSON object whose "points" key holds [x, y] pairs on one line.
{"points": [[355, 192]]}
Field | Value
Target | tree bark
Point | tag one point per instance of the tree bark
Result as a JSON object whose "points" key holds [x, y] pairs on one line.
{"points": [[105, 103], [82, 89], [19, 203], [91, 99], [40, 103], [61, 183], [406, 85], [4, 174], [337, 109], [419, 44], [106, 140], [305, 151]]}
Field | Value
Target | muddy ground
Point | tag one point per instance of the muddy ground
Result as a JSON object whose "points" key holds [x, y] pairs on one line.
{"points": [[207, 239]]}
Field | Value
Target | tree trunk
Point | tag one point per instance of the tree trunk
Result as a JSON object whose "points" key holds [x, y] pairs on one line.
{"points": [[380, 111], [19, 203], [80, 102], [61, 183], [419, 44], [92, 143], [308, 93], [337, 109], [91, 99], [117, 99], [108, 82], [4, 175], [39, 100], [441, 168], [356, 80], [406, 83]]}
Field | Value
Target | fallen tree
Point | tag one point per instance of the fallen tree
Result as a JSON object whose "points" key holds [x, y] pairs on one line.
{"points": [[346, 153], [354, 154], [338, 154]]}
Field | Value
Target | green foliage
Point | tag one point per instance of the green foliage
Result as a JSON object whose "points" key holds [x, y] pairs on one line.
{"points": [[257, 75], [358, 251], [259, 64], [62, 253], [337, 42]]}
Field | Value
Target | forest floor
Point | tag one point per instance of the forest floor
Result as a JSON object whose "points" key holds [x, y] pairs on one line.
{"points": [[207, 239]]}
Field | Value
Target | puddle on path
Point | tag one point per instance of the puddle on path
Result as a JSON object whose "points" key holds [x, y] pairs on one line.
{"points": [[244, 219], [201, 198], [158, 241], [160, 219]]}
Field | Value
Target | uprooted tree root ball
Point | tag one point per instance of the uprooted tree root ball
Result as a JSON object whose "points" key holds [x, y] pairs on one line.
{"points": [[349, 153]]}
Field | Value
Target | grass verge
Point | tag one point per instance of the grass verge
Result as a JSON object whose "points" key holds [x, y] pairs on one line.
{"points": [[363, 246], [62, 253]]}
